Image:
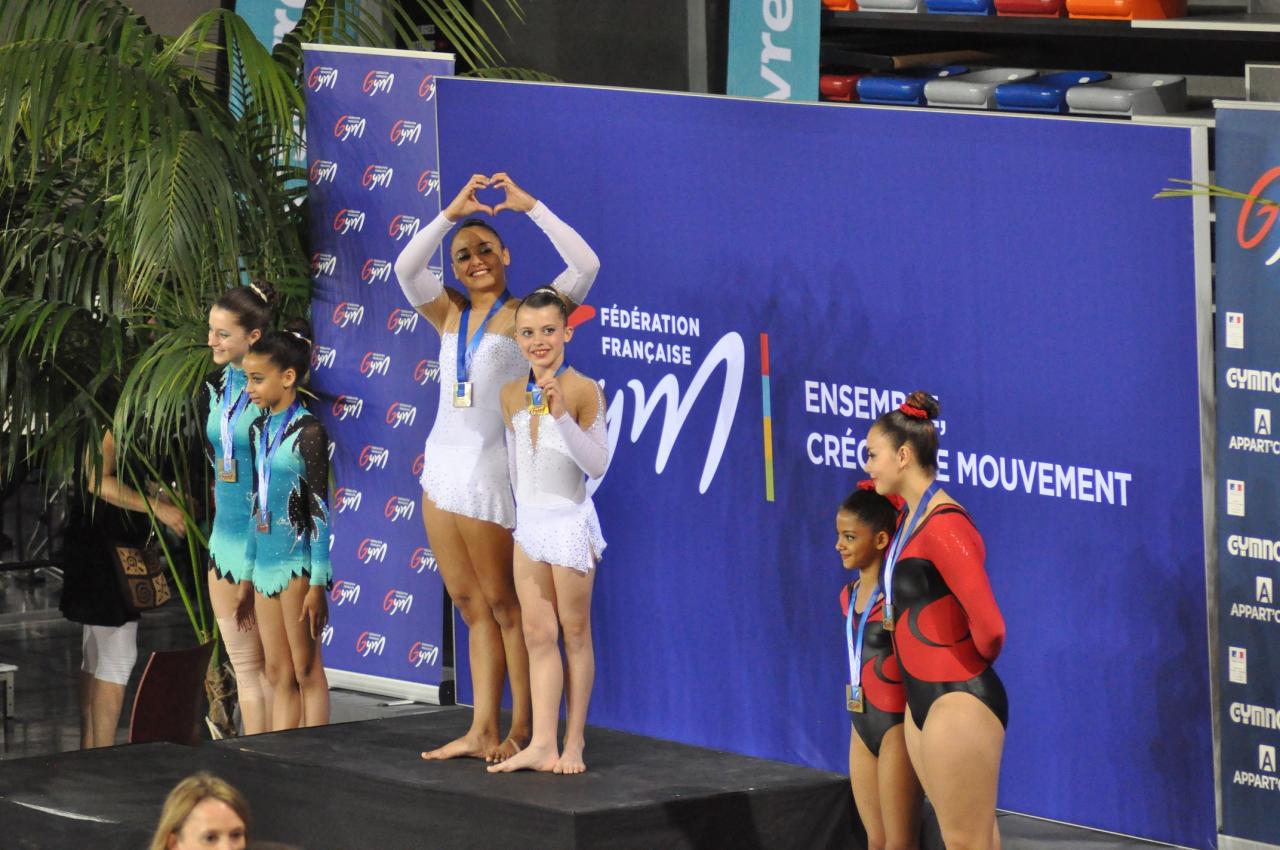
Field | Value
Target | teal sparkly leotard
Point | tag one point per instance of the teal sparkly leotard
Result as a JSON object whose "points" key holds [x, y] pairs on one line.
{"points": [[297, 543], [231, 499]]}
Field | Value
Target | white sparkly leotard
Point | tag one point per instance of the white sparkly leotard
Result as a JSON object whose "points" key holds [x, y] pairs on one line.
{"points": [[464, 468], [556, 520]]}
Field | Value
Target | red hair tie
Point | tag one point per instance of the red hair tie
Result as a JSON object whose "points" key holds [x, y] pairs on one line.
{"points": [[867, 484], [913, 411]]}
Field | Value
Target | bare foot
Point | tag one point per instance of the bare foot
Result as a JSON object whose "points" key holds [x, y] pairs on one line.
{"points": [[530, 758], [474, 745], [508, 748], [571, 761]]}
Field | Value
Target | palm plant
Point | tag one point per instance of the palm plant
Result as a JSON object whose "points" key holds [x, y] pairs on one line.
{"points": [[135, 189]]}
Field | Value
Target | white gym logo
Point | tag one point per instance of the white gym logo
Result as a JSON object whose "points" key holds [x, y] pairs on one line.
{"points": [[1263, 609]]}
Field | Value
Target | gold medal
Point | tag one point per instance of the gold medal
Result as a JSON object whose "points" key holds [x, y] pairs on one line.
{"points": [[264, 521], [853, 699], [227, 470], [536, 403], [462, 394]]}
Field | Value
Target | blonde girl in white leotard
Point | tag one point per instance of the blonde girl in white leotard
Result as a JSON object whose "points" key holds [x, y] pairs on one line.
{"points": [[467, 504]]}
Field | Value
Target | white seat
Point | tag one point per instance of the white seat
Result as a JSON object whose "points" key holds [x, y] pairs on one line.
{"points": [[974, 90], [1130, 95]]}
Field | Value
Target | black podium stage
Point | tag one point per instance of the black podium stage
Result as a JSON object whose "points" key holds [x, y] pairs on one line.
{"points": [[362, 786]]}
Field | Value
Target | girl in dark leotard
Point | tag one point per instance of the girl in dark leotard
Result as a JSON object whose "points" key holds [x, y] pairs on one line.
{"points": [[947, 630], [885, 788]]}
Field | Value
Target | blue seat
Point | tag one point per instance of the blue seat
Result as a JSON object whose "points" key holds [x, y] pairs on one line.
{"points": [[905, 88], [961, 7], [1046, 93]]}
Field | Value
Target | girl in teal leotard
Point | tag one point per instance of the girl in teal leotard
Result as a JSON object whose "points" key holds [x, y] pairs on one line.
{"points": [[288, 536], [236, 320]]}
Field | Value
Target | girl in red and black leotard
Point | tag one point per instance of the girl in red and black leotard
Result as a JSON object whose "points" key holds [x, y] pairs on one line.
{"points": [[885, 789], [947, 630]]}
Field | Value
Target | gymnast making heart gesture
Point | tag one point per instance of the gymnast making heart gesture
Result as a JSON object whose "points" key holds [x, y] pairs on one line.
{"points": [[467, 503]]}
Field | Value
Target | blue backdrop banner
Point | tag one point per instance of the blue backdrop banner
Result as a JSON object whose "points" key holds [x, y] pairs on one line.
{"points": [[374, 179], [1248, 351], [774, 276]]}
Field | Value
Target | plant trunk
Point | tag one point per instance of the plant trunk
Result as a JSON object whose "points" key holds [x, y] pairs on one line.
{"points": [[220, 689]]}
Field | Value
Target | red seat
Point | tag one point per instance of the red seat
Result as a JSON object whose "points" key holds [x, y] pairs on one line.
{"points": [[1031, 8], [167, 706], [839, 87]]}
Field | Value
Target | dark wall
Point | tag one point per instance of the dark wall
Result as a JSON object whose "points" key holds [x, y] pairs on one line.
{"points": [[660, 44]]}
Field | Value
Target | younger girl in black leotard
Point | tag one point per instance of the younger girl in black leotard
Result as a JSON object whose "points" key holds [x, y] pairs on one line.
{"points": [[885, 788]]}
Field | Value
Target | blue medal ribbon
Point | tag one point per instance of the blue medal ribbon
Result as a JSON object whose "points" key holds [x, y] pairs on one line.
{"points": [[855, 646], [467, 348], [535, 392], [267, 447], [895, 549], [231, 414]]}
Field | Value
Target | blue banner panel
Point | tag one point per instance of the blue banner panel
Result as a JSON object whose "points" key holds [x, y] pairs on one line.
{"points": [[773, 48], [374, 178], [1248, 351], [774, 276]]}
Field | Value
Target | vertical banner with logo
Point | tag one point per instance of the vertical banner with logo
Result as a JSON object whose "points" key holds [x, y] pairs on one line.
{"points": [[374, 179], [773, 48], [1248, 463], [761, 300]]}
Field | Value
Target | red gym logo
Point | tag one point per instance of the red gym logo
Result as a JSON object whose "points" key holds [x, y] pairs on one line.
{"points": [[323, 171], [1264, 211], [426, 371], [348, 313], [418, 463], [397, 602], [323, 264], [323, 357], [373, 457], [375, 363], [371, 550], [375, 269], [427, 88], [400, 413], [370, 643], [398, 508], [428, 182], [405, 130], [322, 77], [348, 220], [345, 592], [348, 499], [349, 127], [423, 559], [377, 82], [402, 319], [423, 653], [402, 225], [377, 177], [347, 407]]}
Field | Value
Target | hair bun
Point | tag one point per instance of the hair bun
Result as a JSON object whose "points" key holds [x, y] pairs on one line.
{"points": [[923, 401], [263, 291], [299, 329]]}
